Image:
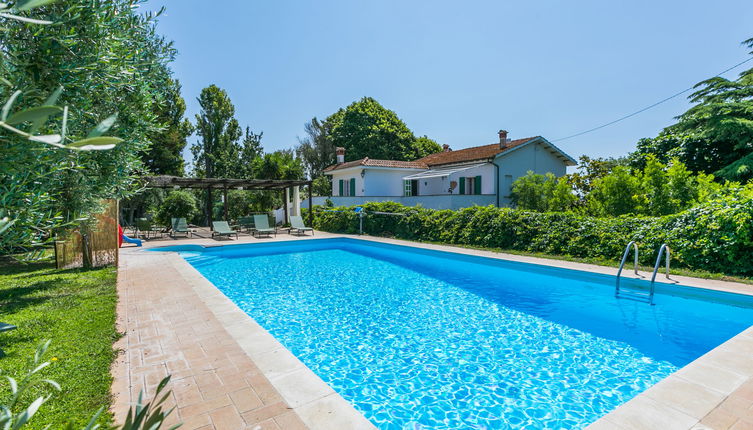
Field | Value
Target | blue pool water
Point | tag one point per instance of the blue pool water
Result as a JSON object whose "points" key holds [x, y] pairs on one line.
{"points": [[419, 339]]}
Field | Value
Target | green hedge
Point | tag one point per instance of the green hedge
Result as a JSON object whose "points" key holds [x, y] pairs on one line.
{"points": [[716, 237]]}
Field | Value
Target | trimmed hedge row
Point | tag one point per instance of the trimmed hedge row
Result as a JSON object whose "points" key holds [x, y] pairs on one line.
{"points": [[716, 237]]}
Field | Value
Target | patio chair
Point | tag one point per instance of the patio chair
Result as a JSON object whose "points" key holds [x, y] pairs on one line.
{"points": [[261, 226], [146, 228], [247, 223], [296, 224], [180, 226], [221, 228]]}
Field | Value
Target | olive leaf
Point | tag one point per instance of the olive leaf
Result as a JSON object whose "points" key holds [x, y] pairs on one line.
{"points": [[39, 113], [9, 104], [95, 143], [31, 4], [25, 19], [51, 100], [103, 126]]}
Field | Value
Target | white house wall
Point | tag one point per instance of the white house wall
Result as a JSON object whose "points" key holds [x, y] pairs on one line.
{"points": [[347, 175], [486, 171], [517, 163], [386, 182], [376, 181]]}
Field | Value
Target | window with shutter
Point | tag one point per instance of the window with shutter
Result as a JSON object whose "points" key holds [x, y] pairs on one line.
{"points": [[342, 185], [352, 187], [477, 185], [462, 185]]}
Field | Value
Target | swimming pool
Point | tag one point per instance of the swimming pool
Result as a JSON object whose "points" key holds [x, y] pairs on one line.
{"points": [[425, 339]]}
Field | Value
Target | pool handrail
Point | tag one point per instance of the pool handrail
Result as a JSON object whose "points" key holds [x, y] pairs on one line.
{"points": [[664, 247], [622, 265]]}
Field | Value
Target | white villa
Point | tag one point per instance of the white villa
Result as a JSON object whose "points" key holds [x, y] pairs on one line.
{"points": [[481, 175]]}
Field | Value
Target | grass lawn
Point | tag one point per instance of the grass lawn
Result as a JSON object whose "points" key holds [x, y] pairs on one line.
{"points": [[76, 310]]}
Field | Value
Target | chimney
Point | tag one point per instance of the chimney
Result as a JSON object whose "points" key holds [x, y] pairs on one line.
{"points": [[446, 148], [340, 155], [503, 140]]}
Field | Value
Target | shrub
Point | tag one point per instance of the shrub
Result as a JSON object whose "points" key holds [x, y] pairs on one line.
{"points": [[543, 193], [717, 236], [178, 204]]}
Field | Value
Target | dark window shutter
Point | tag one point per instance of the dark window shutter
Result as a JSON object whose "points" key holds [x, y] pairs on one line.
{"points": [[477, 185], [342, 185], [414, 187], [352, 186], [462, 185]]}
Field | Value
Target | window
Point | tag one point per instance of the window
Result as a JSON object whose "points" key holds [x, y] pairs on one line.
{"points": [[348, 187], [410, 187], [470, 185]]}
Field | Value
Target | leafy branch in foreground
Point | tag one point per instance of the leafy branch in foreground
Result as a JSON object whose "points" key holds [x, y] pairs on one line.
{"points": [[10, 415], [39, 115]]}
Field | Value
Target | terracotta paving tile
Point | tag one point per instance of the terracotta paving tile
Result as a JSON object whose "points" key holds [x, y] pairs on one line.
{"points": [[196, 421], [719, 419], [263, 388], [269, 424], [265, 412], [742, 425], [227, 418], [170, 330], [246, 400]]}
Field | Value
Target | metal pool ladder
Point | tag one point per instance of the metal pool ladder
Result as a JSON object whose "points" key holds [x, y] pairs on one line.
{"points": [[638, 294]]}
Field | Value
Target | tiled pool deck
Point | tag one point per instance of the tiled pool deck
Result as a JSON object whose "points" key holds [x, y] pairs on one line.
{"points": [[229, 373]]}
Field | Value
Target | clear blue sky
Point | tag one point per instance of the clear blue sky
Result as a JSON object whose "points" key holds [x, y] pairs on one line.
{"points": [[458, 71]]}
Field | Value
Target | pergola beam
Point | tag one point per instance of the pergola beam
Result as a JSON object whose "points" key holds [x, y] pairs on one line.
{"points": [[221, 183]]}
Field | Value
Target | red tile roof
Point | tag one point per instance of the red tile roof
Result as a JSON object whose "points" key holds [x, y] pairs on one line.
{"points": [[377, 163], [470, 154], [475, 153]]}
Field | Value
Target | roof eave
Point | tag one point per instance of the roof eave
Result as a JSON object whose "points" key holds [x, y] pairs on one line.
{"points": [[569, 161]]}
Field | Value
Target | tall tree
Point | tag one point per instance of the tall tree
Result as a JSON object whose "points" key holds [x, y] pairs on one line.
{"points": [[424, 146], [367, 129], [109, 59], [714, 136], [280, 164], [316, 150], [217, 152], [165, 155], [251, 149]]}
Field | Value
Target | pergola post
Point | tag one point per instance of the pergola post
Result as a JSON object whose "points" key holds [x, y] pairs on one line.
{"points": [[285, 206], [296, 200], [311, 205], [224, 201], [209, 208]]}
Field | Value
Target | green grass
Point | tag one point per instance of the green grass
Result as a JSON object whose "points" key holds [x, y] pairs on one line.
{"points": [[76, 310], [611, 263]]}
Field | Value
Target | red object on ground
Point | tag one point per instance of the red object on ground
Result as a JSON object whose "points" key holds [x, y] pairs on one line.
{"points": [[120, 236]]}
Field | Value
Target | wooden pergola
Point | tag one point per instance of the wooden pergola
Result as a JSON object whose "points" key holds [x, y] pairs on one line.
{"points": [[223, 184]]}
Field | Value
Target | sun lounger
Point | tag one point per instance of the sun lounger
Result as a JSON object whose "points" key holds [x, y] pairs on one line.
{"points": [[261, 226], [297, 226], [180, 226], [221, 228]]}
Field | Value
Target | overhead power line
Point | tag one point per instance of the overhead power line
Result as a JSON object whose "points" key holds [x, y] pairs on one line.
{"points": [[647, 107]]}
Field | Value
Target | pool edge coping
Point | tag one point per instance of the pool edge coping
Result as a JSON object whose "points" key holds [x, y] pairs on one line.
{"points": [[664, 405]]}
